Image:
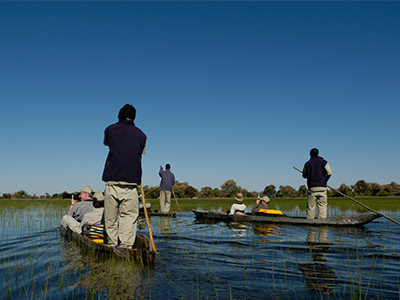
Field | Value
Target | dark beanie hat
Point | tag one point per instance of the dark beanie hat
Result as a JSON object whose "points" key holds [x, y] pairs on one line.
{"points": [[314, 152], [128, 111]]}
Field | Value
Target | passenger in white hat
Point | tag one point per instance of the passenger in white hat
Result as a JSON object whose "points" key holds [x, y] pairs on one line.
{"points": [[239, 206]]}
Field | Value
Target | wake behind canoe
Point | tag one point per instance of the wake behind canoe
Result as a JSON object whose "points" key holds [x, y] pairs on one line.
{"points": [[347, 220]]}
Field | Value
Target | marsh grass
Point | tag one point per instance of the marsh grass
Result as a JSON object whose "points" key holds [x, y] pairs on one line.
{"points": [[29, 230]]}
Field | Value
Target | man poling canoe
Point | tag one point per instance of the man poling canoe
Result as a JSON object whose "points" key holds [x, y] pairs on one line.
{"points": [[358, 202]]}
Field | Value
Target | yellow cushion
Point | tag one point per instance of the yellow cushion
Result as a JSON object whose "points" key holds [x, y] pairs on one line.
{"points": [[270, 211]]}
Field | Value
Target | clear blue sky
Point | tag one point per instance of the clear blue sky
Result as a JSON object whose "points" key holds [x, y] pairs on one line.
{"points": [[223, 90]]}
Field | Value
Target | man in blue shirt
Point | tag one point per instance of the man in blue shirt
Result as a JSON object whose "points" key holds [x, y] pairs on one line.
{"points": [[167, 181]]}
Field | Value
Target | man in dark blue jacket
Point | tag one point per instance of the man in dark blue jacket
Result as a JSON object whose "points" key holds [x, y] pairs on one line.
{"points": [[317, 171], [122, 176]]}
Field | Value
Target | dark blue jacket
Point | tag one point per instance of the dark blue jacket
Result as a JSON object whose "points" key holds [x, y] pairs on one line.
{"points": [[124, 161], [167, 180], [315, 172]]}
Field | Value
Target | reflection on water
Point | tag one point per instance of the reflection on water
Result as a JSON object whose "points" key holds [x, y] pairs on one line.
{"points": [[266, 230], [238, 229], [165, 224], [318, 275], [105, 276], [201, 260]]}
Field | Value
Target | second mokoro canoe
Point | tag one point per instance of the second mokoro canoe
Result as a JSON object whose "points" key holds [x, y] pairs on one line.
{"points": [[347, 220]]}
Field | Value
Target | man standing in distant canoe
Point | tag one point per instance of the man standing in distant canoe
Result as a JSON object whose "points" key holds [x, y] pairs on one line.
{"points": [[317, 171], [122, 176], [167, 181]]}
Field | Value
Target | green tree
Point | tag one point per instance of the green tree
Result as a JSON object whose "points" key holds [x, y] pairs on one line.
{"points": [[180, 188], [229, 188], [190, 192], [216, 193], [286, 192], [21, 194], [395, 188], [247, 194], [375, 189], [205, 192], [151, 192], [344, 189], [7, 196], [360, 188], [302, 191], [270, 191]]}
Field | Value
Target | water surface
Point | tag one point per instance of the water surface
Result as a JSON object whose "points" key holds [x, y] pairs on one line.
{"points": [[198, 260]]}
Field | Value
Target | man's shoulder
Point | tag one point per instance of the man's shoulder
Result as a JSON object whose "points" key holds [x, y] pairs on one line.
{"points": [[84, 203]]}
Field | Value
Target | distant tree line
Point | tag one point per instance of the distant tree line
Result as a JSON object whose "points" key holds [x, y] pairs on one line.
{"points": [[229, 189]]}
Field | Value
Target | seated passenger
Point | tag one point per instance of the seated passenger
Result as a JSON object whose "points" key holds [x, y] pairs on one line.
{"points": [[239, 206], [148, 204], [96, 216], [78, 209], [261, 203]]}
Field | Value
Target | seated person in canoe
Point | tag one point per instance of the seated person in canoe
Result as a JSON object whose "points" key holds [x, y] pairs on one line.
{"points": [[78, 209], [141, 208], [96, 216], [239, 206], [261, 203]]}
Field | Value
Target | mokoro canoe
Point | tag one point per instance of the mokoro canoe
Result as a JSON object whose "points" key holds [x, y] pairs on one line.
{"points": [[141, 252], [157, 213], [348, 220]]}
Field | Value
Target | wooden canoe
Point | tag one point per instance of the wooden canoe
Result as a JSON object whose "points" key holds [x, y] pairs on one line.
{"points": [[157, 213], [141, 252], [347, 220]]}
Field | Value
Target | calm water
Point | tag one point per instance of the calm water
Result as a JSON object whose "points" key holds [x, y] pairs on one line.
{"points": [[201, 261]]}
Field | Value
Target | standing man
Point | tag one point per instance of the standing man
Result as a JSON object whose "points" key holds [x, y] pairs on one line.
{"points": [[317, 171], [122, 176], [167, 181]]}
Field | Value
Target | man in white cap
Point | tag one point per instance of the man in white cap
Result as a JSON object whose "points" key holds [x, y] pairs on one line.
{"points": [[261, 203], [96, 216], [78, 209]]}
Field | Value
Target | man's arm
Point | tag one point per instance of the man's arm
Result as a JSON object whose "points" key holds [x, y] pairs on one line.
{"points": [[304, 172], [72, 204], [328, 171]]}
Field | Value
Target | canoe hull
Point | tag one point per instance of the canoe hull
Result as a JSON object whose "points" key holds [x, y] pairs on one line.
{"points": [[350, 220], [141, 253], [156, 213]]}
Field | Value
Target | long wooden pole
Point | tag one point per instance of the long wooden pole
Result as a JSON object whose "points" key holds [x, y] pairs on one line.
{"points": [[358, 202], [147, 219], [177, 203]]}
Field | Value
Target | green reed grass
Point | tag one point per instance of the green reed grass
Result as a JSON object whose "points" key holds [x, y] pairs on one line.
{"points": [[101, 276]]}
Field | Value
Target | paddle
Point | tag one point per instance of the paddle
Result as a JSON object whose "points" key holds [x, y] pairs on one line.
{"points": [[177, 202], [147, 219], [358, 202]]}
